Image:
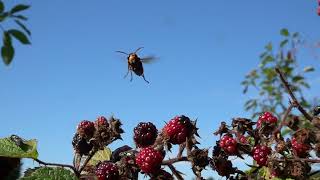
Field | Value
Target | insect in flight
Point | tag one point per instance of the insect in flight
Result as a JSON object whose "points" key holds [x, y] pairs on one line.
{"points": [[135, 63]]}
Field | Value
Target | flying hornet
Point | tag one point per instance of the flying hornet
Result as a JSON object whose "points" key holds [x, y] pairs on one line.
{"points": [[135, 63]]}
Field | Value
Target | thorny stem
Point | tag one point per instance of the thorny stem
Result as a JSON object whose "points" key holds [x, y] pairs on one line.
{"points": [[299, 159], [87, 160], [174, 160], [60, 165], [294, 99], [188, 146], [175, 172], [181, 149], [283, 121]]}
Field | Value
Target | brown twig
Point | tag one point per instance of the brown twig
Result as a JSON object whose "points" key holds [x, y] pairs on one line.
{"points": [[60, 165], [283, 120], [298, 159], [87, 160], [174, 160], [294, 99], [181, 149], [175, 172]]}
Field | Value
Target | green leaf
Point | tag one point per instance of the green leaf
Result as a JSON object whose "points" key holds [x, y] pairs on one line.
{"points": [[3, 16], [1, 7], [19, 36], [266, 60], [21, 17], [23, 27], [7, 53], [269, 47], [308, 69], [297, 78], [286, 132], [18, 8], [7, 38], [50, 173], [283, 43], [8, 148], [284, 32], [99, 156]]}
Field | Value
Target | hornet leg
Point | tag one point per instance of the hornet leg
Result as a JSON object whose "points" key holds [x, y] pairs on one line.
{"points": [[127, 72], [130, 76], [144, 78]]}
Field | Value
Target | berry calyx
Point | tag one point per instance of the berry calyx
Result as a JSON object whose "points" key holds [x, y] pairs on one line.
{"points": [[260, 154], [267, 118], [86, 129], [300, 149], [145, 133], [149, 160], [162, 175], [228, 144], [178, 129], [107, 171]]}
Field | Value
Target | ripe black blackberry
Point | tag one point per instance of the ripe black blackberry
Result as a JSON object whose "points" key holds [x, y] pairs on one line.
{"points": [[107, 171], [145, 133]]}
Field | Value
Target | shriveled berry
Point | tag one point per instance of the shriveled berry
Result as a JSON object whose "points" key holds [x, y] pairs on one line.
{"points": [[107, 171], [228, 144], [80, 145], [86, 129], [178, 129], [145, 133], [300, 149], [149, 160], [162, 175], [260, 154], [267, 118]]}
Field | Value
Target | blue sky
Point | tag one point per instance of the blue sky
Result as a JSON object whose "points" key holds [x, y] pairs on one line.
{"points": [[71, 72]]}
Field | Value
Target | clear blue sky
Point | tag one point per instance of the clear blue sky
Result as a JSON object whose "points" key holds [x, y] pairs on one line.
{"points": [[71, 72]]}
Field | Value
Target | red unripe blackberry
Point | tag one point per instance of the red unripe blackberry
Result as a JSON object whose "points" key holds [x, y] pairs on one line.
{"points": [[149, 160], [300, 149], [266, 118], [260, 154], [178, 129], [107, 171], [228, 144], [318, 11], [86, 129], [243, 139], [102, 122], [145, 133]]}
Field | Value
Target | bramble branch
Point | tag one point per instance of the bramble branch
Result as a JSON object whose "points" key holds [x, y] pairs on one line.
{"points": [[174, 160], [59, 165], [294, 99], [284, 118]]}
